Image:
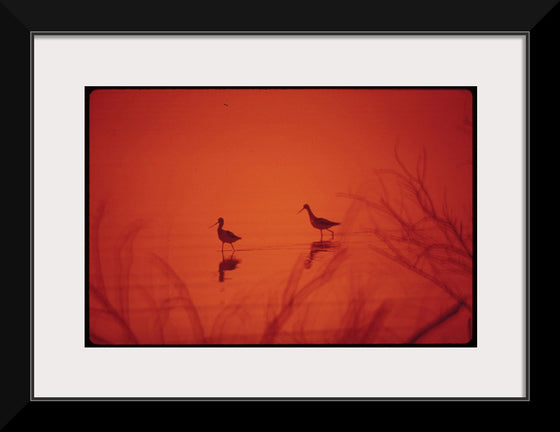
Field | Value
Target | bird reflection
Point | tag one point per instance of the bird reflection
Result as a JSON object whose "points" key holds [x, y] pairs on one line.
{"points": [[317, 247], [227, 264]]}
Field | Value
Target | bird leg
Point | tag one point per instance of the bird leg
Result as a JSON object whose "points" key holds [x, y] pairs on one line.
{"points": [[321, 235], [332, 233]]}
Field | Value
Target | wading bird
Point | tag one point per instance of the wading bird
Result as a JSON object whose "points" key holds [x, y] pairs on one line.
{"points": [[224, 235], [319, 223]]}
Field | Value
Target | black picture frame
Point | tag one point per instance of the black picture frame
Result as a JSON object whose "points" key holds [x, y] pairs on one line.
{"points": [[20, 19]]}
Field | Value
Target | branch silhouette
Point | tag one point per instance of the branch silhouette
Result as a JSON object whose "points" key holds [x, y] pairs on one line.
{"points": [[421, 236]]}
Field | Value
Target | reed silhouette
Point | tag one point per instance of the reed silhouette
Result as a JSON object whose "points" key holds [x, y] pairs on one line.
{"points": [[423, 237], [181, 298], [101, 307], [296, 294]]}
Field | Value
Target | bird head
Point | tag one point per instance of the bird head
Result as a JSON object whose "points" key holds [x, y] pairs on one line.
{"points": [[305, 207], [220, 221]]}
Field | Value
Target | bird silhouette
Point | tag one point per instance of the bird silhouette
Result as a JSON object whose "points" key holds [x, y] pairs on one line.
{"points": [[224, 235], [319, 223]]}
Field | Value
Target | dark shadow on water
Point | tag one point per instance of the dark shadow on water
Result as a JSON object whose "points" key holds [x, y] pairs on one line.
{"points": [[319, 247], [227, 264]]}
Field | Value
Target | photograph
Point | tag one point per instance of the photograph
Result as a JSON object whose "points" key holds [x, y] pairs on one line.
{"points": [[280, 216], [302, 211]]}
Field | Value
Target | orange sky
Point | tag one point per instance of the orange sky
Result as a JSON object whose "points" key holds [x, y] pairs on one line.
{"points": [[259, 154]]}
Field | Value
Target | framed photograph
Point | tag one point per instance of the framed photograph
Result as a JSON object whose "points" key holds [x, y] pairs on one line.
{"points": [[308, 215], [282, 222]]}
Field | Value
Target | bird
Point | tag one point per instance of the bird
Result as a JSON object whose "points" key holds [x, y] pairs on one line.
{"points": [[319, 223], [224, 235]]}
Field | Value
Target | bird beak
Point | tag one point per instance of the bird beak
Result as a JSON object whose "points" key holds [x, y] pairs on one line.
{"points": [[213, 225], [300, 210]]}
